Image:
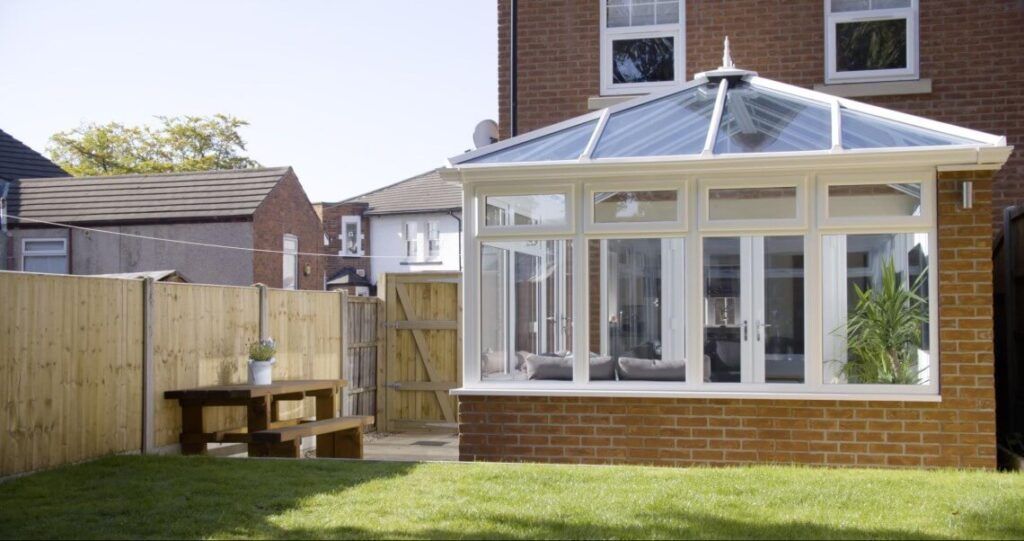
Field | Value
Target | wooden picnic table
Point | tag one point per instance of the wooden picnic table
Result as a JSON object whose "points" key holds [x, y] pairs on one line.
{"points": [[260, 402]]}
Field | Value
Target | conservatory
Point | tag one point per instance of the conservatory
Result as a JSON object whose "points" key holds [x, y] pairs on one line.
{"points": [[733, 237]]}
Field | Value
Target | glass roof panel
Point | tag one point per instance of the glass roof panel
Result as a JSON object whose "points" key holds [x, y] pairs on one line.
{"points": [[673, 125], [567, 144], [759, 120], [861, 130]]}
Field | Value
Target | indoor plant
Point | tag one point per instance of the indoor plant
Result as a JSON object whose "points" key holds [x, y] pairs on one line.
{"points": [[884, 331], [261, 361]]}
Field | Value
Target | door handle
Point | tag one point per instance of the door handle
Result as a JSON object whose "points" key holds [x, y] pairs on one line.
{"points": [[760, 326], [745, 337]]}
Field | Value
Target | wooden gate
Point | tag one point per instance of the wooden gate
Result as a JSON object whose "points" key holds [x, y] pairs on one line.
{"points": [[424, 351]]}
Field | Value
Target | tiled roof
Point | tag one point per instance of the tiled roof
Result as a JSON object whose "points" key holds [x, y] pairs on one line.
{"points": [[207, 195], [422, 193], [17, 160]]}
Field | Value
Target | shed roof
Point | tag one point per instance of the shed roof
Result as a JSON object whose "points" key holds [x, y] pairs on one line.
{"points": [[17, 160], [208, 195], [426, 192]]}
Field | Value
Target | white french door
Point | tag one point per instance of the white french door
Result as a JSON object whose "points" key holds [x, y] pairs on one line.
{"points": [[754, 323]]}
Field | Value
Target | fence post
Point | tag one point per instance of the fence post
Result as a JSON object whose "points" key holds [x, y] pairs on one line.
{"points": [[148, 407], [263, 315], [346, 364]]}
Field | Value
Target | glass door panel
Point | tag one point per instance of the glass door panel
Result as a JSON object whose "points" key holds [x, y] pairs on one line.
{"points": [[779, 327], [725, 309]]}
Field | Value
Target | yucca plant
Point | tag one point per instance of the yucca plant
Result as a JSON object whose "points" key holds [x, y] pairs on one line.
{"points": [[884, 331]]}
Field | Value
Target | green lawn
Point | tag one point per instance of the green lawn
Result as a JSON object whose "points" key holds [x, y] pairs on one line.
{"points": [[147, 497]]}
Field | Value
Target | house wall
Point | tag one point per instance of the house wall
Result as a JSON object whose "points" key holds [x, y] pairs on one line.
{"points": [[99, 253], [287, 210], [332, 215], [972, 50], [959, 431], [388, 240]]}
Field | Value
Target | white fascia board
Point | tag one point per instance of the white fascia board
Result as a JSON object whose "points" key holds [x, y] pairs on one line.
{"points": [[571, 123], [965, 156], [609, 392]]}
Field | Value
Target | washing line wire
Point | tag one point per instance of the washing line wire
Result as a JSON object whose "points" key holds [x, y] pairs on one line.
{"points": [[195, 243]]}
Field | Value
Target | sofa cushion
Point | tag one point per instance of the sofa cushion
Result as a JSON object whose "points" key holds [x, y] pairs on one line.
{"points": [[601, 367], [548, 367], [651, 369]]}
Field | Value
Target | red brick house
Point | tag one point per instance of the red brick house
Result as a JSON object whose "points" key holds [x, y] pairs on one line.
{"points": [[716, 240], [257, 209]]}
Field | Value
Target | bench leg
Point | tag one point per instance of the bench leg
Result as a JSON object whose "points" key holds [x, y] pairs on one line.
{"points": [[341, 444], [192, 424]]}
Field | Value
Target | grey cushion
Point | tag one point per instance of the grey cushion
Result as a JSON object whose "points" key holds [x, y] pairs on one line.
{"points": [[548, 367], [651, 369], [601, 368]]}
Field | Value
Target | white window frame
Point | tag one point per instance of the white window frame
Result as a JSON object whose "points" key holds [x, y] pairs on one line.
{"points": [[284, 260], [809, 225], [708, 183], [358, 221], [412, 227], [433, 240], [676, 31], [26, 253], [567, 191], [911, 72], [925, 178], [667, 227]]}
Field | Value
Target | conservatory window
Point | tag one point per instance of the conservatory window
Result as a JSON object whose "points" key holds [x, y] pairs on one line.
{"points": [[526, 310], [874, 200], [871, 40], [760, 120], [640, 209], [636, 310], [754, 323], [642, 45], [743, 205], [876, 317]]}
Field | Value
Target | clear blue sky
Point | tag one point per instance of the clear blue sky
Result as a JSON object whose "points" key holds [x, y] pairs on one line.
{"points": [[353, 94]]}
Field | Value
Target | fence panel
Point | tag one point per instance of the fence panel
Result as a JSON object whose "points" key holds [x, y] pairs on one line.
{"points": [[363, 339], [70, 369]]}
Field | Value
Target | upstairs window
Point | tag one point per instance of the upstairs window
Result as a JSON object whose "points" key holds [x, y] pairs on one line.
{"points": [[412, 241], [642, 45], [433, 240], [351, 236], [871, 40]]}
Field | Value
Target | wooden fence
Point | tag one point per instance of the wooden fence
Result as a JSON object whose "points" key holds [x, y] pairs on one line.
{"points": [[84, 361]]}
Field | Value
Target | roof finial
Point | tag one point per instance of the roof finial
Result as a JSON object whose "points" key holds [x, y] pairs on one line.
{"points": [[727, 56]]}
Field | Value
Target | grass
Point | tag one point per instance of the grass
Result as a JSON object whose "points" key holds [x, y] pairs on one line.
{"points": [[197, 497]]}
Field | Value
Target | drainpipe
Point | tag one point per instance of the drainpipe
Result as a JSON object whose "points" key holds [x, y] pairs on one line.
{"points": [[3, 224], [458, 219], [513, 117]]}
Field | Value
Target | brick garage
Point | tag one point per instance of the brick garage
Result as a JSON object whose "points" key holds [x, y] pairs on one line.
{"points": [[972, 50], [959, 431]]}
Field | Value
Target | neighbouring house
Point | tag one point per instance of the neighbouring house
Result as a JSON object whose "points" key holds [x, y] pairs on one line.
{"points": [[411, 226], [252, 209], [675, 276]]}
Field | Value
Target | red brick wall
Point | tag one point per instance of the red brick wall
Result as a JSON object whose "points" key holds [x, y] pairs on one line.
{"points": [[959, 431], [287, 210], [972, 50], [332, 213]]}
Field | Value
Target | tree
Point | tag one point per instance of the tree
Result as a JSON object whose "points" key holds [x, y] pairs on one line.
{"points": [[180, 143]]}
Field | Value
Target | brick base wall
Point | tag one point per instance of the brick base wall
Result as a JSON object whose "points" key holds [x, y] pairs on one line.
{"points": [[959, 431]]}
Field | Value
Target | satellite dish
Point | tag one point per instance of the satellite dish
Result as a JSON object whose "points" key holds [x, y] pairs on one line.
{"points": [[485, 133]]}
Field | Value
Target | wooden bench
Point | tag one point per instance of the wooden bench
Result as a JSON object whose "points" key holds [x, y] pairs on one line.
{"points": [[337, 437]]}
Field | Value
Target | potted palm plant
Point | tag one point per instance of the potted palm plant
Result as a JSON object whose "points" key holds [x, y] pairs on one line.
{"points": [[884, 331], [261, 361]]}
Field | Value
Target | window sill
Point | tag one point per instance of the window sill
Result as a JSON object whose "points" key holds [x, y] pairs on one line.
{"points": [[504, 390], [418, 263], [890, 88]]}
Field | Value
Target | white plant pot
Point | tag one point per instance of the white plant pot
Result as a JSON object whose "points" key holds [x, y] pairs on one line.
{"points": [[260, 372]]}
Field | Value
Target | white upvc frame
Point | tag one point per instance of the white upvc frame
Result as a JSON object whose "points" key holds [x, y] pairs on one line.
{"points": [[910, 72], [607, 35], [668, 227], [811, 230], [531, 232], [63, 252], [706, 183], [433, 239], [924, 178], [411, 228], [346, 221]]}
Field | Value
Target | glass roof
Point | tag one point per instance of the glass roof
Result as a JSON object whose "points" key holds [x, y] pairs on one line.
{"points": [[747, 114]]}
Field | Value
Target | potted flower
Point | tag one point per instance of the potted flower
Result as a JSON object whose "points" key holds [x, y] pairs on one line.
{"points": [[261, 361]]}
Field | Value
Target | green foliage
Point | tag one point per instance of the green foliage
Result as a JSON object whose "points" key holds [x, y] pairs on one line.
{"points": [[264, 350], [884, 331], [181, 143]]}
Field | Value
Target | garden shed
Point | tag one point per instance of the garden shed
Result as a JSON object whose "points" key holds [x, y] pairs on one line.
{"points": [[735, 270]]}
